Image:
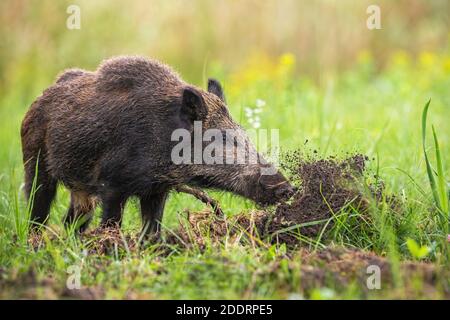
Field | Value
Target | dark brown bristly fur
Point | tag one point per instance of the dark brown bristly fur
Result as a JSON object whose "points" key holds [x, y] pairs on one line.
{"points": [[106, 135]]}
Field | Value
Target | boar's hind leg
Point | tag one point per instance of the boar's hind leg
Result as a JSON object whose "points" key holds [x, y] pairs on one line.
{"points": [[43, 192], [113, 205], [152, 208], [80, 211]]}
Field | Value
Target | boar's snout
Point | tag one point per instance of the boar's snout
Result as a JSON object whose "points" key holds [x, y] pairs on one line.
{"points": [[285, 191], [273, 189]]}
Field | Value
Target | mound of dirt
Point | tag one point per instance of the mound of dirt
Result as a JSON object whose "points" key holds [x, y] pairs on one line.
{"points": [[326, 187]]}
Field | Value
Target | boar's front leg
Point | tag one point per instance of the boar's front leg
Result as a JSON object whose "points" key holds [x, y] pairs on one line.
{"points": [[152, 208], [113, 205]]}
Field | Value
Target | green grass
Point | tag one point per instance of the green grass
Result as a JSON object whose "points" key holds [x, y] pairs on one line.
{"points": [[378, 114]]}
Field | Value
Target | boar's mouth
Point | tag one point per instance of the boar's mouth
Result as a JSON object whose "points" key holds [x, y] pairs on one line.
{"points": [[275, 193]]}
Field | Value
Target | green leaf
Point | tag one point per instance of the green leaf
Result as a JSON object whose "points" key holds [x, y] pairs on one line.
{"points": [[416, 251], [427, 162], [442, 185]]}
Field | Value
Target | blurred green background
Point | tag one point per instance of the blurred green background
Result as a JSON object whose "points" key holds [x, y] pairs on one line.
{"points": [[325, 35]]}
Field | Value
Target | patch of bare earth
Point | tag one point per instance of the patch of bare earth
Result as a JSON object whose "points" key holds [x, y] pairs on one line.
{"points": [[344, 266]]}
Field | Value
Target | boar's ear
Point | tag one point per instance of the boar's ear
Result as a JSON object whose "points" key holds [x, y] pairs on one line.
{"points": [[193, 107], [215, 88]]}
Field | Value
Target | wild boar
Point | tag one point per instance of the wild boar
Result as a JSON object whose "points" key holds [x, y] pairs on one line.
{"points": [[107, 135]]}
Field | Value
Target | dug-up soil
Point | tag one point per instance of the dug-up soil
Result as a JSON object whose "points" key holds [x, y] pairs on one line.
{"points": [[325, 188]]}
